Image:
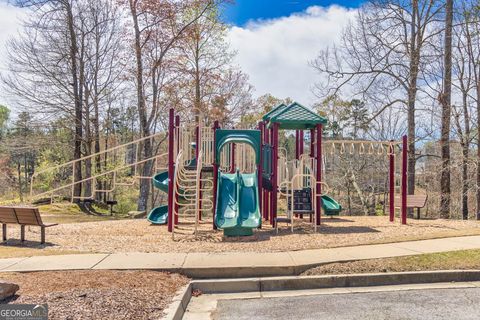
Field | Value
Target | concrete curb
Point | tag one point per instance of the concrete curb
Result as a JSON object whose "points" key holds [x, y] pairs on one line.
{"points": [[178, 306], [332, 281]]}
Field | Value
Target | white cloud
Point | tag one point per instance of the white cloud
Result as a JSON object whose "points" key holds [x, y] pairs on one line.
{"points": [[276, 53]]}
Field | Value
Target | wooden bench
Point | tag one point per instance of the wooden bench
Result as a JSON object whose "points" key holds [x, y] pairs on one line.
{"points": [[415, 201], [24, 216]]}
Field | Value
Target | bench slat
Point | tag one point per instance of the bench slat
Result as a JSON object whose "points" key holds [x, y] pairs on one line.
{"points": [[27, 216], [7, 215], [413, 201]]}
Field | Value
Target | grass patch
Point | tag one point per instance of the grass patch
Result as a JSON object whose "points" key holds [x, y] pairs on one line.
{"points": [[66, 212], [462, 260]]}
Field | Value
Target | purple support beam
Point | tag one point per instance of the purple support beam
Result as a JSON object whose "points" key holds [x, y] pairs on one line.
{"points": [[215, 173], [272, 177], [266, 194], [392, 182], [232, 158], [171, 163], [404, 179], [312, 154], [319, 174], [297, 144], [261, 127], [300, 143]]}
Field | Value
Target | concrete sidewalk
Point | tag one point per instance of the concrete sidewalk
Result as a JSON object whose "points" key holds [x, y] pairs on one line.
{"points": [[236, 264]]}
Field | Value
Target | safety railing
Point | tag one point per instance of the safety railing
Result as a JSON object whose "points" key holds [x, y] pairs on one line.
{"points": [[113, 167]]}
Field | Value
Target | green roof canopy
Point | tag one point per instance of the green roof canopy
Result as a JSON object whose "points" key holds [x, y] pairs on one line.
{"points": [[293, 117], [274, 112]]}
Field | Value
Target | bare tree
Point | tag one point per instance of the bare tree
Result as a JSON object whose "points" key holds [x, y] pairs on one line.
{"points": [[463, 66], [380, 58], [445, 100], [471, 15], [44, 67], [157, 28], [64, 64]]}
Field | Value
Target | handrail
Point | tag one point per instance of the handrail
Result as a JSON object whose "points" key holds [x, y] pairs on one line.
{"points": [[94, 177], [93, 155]]}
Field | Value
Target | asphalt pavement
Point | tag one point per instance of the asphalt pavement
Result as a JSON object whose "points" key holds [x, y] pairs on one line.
{"points": [[431, 304]]}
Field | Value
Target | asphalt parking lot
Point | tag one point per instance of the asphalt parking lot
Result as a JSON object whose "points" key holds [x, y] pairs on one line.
{"points": [[432, 304]]}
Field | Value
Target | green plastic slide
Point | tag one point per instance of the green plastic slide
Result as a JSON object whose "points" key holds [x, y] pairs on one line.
{"points": [[227, 204], [330, 206], [237, 210], [249, 209], [159, 215]]}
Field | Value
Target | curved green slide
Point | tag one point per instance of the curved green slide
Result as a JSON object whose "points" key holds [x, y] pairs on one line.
{"points": [[159, 215], [237, 210], [330, 206]]}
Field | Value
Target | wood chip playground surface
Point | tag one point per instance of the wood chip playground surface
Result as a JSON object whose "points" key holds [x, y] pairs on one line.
{"points": [[140, 236], [99, 294]]}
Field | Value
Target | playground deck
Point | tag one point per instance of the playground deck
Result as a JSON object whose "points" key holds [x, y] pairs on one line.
{"points": [[140, 236]]}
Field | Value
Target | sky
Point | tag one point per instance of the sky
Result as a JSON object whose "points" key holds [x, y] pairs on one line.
{"points": [[274, 39], [242, 11]]}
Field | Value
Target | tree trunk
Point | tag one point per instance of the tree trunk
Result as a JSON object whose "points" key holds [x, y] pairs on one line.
{"points": [[445, 100], [478, 149], [465, 158], [357, 188], [415, 43], [465, 182], [19, 172], [88, 146], [142, 113], [77, 153]]}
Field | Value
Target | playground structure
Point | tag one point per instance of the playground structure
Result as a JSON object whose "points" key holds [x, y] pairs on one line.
{"points": [[233, 179], [240, 175]]}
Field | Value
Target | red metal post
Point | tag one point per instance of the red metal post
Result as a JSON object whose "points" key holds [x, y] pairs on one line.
{"points": [[261, 127], [404, 179], [171, 164], [215, 173], [300, 142], [319, 174], [392, 183], [297, 144], [312, 154], [177, 126], [272, 176], [266, 194], [297, 156], [232, 158]]}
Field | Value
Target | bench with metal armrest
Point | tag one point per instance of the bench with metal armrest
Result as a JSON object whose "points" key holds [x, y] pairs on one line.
{"points": [[416, 201], [23, 216]]}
